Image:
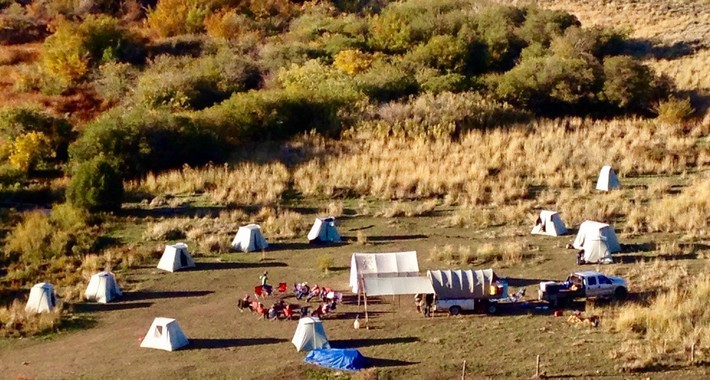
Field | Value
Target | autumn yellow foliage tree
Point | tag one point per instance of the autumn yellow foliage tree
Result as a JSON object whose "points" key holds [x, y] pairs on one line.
{"points": [[175, 17], [29, 149], [352, 61]]}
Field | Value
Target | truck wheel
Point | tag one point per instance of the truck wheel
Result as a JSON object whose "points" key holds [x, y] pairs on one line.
{"points": [[491, 308], [455, 310], [620, 293]]}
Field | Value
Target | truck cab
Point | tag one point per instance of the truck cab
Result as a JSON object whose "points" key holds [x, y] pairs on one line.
{"points": [[588, 284]]}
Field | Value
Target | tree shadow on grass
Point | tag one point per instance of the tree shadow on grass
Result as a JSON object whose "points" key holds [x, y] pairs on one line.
{"points": [[96, 307], [358, 343], [379, 362], [237, 265], [135, 296], [520, 282], [205, 344]]}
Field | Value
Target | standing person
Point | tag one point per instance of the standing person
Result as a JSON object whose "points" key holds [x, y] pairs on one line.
{"points": [[264, 278], [417, 302], [428, 304]]}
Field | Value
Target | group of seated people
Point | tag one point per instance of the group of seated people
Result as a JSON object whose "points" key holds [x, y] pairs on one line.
{"points": [[282, 310]]}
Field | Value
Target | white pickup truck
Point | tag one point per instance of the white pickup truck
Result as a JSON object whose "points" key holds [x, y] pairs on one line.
{"points": [[587, 284]]}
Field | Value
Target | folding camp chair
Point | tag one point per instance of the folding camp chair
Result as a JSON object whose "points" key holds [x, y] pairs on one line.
{"points": [[259, 291], [282, 287], [288, 312]]}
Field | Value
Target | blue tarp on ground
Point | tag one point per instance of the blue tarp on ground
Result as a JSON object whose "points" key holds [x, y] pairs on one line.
{"points": [[347, 359]]}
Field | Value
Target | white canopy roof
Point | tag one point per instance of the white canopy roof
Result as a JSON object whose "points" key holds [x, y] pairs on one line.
{"points": [[379, 265]]}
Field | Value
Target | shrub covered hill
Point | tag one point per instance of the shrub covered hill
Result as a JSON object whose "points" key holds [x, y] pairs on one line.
{"points": [[100, 92]]}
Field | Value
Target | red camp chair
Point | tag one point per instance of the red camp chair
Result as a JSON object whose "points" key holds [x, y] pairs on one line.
{"points": [[259, 291], [282, 287], [288, 312]]}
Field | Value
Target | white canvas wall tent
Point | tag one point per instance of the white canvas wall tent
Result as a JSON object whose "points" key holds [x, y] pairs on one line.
{"points": [[450, 284], [249, 238], [397, 286], [607, 179], [549, 223], [102, 288], [324, 231], [310, 335], [394, 264], [165, 334], [598, 241], [42, 299], [176, 257]]}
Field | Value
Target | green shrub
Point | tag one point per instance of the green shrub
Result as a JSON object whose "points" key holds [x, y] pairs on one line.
{"points": [[445, 53], [542, 25], [96, 185], [674, 110], [628, 83], [325, 263], [74, 49], [143, 140], [41, 237], [385, 81], [596, 42], [19, 121], [497, 27], [195, 83], [115, 81], [543, 82], [443, 83]]}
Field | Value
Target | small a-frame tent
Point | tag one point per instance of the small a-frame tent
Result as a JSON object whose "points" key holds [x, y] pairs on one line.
{"points": [[324, 231], [165, 334], [598, 241], [249, 238], [607, 179], [342, 359], [42, 299], [310, 335], [549, 223], [176, 257], [102, 288]]}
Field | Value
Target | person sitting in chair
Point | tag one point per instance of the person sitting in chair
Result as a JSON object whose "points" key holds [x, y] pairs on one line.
{"points": [[244, 303], [315, 292]]}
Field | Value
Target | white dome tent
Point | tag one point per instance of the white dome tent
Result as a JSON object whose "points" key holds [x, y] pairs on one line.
{"points": [[310, 335], [176, 257], [102, 288], [42, 299], [598, 241], [249, 238], [607, 179], [324, 231], [165, 334], [549, 223]]}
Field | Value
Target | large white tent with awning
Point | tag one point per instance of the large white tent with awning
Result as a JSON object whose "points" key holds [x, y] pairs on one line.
{"points": [[382, 265]]}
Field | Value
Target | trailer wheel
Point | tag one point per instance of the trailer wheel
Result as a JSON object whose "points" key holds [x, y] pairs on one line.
{"points": [[491, 308], [455, 310]]}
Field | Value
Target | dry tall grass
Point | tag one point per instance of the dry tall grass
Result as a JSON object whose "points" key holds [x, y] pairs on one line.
{"points": [[15, 322], [243, 184], [667, 328]]}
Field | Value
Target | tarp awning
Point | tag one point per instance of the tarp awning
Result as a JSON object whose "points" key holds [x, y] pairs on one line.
{"points": [[397, 286]]}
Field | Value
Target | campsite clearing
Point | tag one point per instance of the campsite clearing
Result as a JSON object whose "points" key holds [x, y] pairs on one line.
{"points": [[225, 343]]}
